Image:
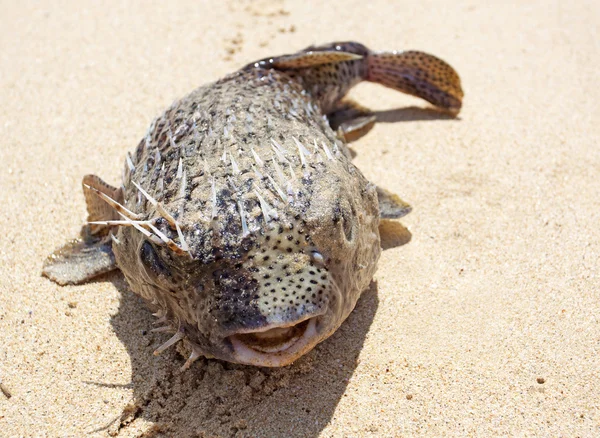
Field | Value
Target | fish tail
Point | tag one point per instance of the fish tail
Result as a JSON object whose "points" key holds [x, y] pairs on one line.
{"points": [[418, 74]]}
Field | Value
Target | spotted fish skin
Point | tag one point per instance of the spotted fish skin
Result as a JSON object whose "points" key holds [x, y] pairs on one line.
{"points": [[244, 277], [241, 218]]}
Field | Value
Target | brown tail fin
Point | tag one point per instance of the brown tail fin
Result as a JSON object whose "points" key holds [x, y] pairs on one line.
{"points": [[418, 74]]}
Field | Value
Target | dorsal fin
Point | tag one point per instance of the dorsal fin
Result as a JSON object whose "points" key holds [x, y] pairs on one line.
{"points": [[310, 59]]}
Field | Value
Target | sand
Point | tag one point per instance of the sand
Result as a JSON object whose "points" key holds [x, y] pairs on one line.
{"points": [[483, 318]]}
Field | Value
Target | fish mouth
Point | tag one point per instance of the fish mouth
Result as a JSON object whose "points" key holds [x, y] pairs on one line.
{"points": [[275, 346]]}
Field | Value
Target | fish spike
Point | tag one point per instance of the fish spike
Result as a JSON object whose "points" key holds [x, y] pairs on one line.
{"points": [[183, 186], [279, 155], [160, 186], [171, 140], [130, 162], [182, 129], [160, 234], [279, 171], [302, 151], [279, 191], [164, 213], [315, 147], [117, 223], [292, 171], [206, 168], [167, 241], [258, 174], [196, 354], [166, 328], [180, 169], [259, 162], [160, 320], [278, 149], [121, 209], [234, 166], [145, 232], [266, 209], [184, 246], [245, 230], [290, 192], [175, 339], [327, 151], [232, 184], [150, 199]]}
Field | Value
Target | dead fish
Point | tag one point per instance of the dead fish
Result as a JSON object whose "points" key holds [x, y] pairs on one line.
{"points": [[240, 217]]}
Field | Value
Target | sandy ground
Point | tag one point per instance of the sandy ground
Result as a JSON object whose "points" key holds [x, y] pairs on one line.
{"points": [[485, 323]]}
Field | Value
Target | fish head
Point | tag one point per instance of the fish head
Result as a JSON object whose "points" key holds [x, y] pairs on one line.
{"points": [[267, 297]]}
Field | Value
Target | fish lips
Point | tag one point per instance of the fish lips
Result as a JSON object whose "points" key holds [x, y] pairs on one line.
{"points": [[276, 346]]}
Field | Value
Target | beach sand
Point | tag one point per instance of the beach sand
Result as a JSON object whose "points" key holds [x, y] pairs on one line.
{"points": [[483, 318]]}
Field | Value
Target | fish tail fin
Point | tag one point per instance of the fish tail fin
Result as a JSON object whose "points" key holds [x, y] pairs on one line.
{"points": [[418, 74]]}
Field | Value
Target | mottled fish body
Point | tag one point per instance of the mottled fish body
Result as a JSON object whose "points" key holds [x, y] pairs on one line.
{"points": [[241, 218]]}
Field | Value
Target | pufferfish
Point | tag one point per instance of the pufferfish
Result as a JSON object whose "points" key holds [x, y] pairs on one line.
{"points": [[241, 219]]}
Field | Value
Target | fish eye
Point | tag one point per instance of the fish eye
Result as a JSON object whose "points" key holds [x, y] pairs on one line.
{"points": [[152, 263]]}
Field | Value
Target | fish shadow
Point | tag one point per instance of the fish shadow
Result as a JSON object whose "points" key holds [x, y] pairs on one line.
{"points": [[393, 234], [413, 114], [217, 398], [407, 114]]}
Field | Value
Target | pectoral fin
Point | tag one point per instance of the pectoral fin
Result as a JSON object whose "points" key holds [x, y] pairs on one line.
{"points": [[390, 205], [351, 120], [80, 260]]}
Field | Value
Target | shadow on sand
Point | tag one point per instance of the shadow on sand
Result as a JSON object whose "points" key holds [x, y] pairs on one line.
{"points": [[407, 114], [412, 114], [216, 398]]}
